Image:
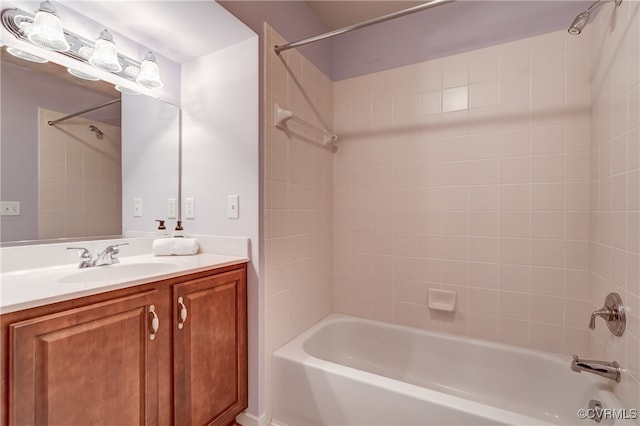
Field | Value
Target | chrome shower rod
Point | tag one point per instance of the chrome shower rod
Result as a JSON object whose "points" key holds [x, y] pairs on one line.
{"points": [[84, 111], [414, 9]]}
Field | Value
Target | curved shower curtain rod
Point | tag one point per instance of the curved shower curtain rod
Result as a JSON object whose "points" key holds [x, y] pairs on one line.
{"points": [[414, 9]]}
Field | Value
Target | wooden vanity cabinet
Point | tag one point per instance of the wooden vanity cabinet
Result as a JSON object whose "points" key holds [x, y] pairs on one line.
{"points": [[210, 350], [62, 364], [99, 361]]}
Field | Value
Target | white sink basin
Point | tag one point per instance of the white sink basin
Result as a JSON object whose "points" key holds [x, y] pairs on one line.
{"points": [[118, 272]]}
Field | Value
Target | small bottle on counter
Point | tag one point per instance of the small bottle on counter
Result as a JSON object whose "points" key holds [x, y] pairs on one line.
{"points": [[179, 231], [162, 229]]}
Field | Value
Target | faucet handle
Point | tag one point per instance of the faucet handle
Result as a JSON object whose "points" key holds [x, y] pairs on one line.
{"points": [[113, 249], [603, 312], [84, 254]]}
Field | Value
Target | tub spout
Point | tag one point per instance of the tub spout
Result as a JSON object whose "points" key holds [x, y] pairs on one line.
{"points": [[609, 370]]}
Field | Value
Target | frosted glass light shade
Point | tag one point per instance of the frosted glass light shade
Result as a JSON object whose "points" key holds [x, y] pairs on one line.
{"points": [[105, 55], [82, 75], [26, 55], [47, 30], [123, 89], [149, 75]]}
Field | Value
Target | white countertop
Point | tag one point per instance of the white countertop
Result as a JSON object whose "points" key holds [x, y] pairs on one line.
{"points": [[44, 284]]}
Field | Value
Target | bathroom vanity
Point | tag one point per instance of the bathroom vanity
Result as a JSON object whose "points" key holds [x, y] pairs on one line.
{"points": [[161, 350]]}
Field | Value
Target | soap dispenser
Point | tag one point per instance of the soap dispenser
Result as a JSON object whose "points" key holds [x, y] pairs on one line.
{"points": [[179, 231], [162, 229]]}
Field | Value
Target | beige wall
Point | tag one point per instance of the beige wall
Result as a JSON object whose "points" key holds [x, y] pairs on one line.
{"points": [[469, 173], [615, 189], [80, 178], [298, 199]]}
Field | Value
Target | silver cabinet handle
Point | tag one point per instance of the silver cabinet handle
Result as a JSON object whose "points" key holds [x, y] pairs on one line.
{"points": [[183, 313], [155, 322]]}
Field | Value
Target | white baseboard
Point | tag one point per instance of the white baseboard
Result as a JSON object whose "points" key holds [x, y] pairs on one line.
{"points": [[246, 419]]}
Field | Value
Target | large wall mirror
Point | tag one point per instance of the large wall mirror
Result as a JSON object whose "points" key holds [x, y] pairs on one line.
{"points": [[79, 178], [66, 179]]}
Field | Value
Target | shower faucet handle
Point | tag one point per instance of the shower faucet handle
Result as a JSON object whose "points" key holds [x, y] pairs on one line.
{"points": [[613, 313]]}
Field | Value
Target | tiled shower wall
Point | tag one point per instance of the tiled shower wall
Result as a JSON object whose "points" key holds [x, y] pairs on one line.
{"points": [[80, 178], [469, 173], [298, 198], [615, 190], [509, 175]]}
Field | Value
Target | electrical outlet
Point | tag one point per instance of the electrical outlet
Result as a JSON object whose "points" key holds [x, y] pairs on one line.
{"points": [[232, 207], [172, 209], [10, 208], [191, 208], [137, 207]]}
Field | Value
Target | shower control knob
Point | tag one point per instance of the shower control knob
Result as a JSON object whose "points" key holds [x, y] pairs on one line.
{"points": [[613, 313]]}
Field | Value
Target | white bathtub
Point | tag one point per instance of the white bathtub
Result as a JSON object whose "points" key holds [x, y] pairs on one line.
{"points": [[352, 371]]}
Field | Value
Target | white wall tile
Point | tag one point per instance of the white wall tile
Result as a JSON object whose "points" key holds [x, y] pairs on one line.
{"points": [[497, 199], [614, 230]]}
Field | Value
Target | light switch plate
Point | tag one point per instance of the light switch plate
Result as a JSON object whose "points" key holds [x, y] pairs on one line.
{"points": [[172, 208], [190, 212], [232, 207], [10, 208], [137, 207]]}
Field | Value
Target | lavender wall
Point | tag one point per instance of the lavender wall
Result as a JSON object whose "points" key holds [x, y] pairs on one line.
{"points": [[23, 91], [294, 20], [446, 30], [220, 157], [150, 157], [441, 31]]}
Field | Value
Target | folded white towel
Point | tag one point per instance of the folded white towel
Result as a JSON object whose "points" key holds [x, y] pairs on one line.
{"points": [[175, 246]]}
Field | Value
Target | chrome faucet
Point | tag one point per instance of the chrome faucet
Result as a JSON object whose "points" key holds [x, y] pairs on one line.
{"points": [[106, 257], [609, 370]]}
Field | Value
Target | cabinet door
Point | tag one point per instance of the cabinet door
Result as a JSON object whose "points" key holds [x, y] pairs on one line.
{"points": [[92, 365], [210, 349]]}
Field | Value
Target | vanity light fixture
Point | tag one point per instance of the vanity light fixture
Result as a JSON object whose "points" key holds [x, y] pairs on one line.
{"points": [[101, 53], [105, 55], [149, 75], [25, 55], [46, 30]]}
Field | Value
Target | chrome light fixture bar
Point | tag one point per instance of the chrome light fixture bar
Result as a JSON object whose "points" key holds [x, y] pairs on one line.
{"points": [[19, 23]]}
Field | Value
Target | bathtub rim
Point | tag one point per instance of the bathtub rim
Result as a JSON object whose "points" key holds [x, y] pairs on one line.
{"points": [[294, 351], [301, 338]]}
